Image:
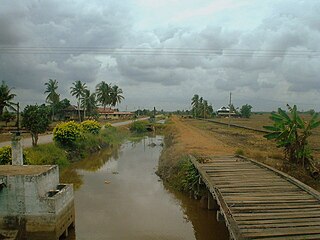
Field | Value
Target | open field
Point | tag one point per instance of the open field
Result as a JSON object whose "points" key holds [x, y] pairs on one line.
{"points": [[205, 138], [259, 120]]}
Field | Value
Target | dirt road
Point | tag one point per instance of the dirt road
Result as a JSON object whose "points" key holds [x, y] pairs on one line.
{"points": [[198, 141]]}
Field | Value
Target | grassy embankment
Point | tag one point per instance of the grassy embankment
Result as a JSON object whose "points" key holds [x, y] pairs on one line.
{"points": [[174, 166], [53, 153]]}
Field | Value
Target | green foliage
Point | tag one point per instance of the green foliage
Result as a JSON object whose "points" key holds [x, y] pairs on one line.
{"points": [[5, 155], [108, 125], [190, 177], [67, 133], [91, 126], [290, 131], [47, 154], [35, 119], [239, 152], [245, 111], [5, 97], [7, 116], [200, 107], [139, 126]]}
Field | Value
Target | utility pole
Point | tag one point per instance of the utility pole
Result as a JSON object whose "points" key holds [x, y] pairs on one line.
{"points": [[229, 111]]}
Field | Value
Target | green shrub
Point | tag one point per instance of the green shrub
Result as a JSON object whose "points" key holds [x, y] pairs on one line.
{"points": [[67, 133], [91, 126], [108, 125], [5, 155], [47, 154], [239, 151], [138, 126]]}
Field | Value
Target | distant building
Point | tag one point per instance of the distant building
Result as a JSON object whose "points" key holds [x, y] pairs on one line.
{"points": [[72, 113], [225, 112], [109, 113]]}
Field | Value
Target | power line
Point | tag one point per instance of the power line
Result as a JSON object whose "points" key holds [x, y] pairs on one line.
{"points": [[255, 53]]}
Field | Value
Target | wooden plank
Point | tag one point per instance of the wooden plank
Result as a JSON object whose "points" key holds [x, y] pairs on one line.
{"points": [[276, 221], [254, 198], [260, 202], [280, 232], [296, 237], [278, 225], [275, 207]]}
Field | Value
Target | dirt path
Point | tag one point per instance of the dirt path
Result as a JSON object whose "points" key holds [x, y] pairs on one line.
{"points": [[197, 141]]}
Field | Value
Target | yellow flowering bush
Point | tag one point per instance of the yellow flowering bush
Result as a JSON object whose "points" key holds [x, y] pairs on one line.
{"points": [[67, 133], [5, 155], [91, 126]]}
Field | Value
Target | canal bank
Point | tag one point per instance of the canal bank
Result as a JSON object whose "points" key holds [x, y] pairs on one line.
{"points": [[121, 197]]}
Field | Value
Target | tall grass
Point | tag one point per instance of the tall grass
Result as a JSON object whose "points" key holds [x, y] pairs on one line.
{"points": [[46, 154]]}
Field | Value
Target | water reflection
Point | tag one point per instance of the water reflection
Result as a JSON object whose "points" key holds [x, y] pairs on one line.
{"points": [[123, 198]]}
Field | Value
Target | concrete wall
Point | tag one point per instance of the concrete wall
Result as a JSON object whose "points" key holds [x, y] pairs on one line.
{"points": [[26, 205]]}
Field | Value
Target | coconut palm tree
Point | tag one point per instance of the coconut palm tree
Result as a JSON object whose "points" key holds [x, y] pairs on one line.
{"points": [[195, 105], [89, 102], [52, 98], [77, 90], [5, 97], [116, 96], [103, 91]]}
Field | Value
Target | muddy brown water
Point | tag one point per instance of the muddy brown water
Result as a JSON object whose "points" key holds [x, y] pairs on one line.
{"points": [[119, 196]]}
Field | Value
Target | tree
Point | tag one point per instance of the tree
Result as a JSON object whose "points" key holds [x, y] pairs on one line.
{"points": [[7, 116], [291, 133], [78, 91], [195, 105], [103, 91], [52, 97], [115, 95], [35, 119], [60, 107], [5, 97], [245, 111], [89, 102]]}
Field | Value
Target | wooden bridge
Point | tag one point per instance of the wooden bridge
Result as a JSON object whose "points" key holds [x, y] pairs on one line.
{"points": [[259, 202]]}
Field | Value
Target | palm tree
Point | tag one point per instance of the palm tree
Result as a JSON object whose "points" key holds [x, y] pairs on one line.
{"points": [[5, 97], [89, 102], [103, 91], [195, 104], [53, 98], [78, 91], [116, 96]]}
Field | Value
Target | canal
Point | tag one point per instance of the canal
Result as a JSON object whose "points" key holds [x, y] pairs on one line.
{"points": [[119, 196]]}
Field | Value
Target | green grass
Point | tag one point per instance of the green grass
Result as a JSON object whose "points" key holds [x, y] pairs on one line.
{"points": [[46, 154]]}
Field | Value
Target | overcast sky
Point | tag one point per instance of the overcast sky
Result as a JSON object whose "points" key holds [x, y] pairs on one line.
{"points": [[266, 52]]}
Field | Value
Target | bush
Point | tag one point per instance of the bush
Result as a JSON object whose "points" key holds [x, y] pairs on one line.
{"points": [[47, 154], [138, 126], [108, 125], [91, 126], [67, 133], [5, 155]]}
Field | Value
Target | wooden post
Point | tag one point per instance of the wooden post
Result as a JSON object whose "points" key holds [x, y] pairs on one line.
{"points": [[212, 203]]}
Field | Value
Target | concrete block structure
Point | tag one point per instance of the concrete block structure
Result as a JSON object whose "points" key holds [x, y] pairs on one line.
{"points": [[33, 202]]}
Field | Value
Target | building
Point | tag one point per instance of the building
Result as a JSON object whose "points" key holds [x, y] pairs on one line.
{"points": [[33, 204], [225, 112], [72, 113], [109, 113]]}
